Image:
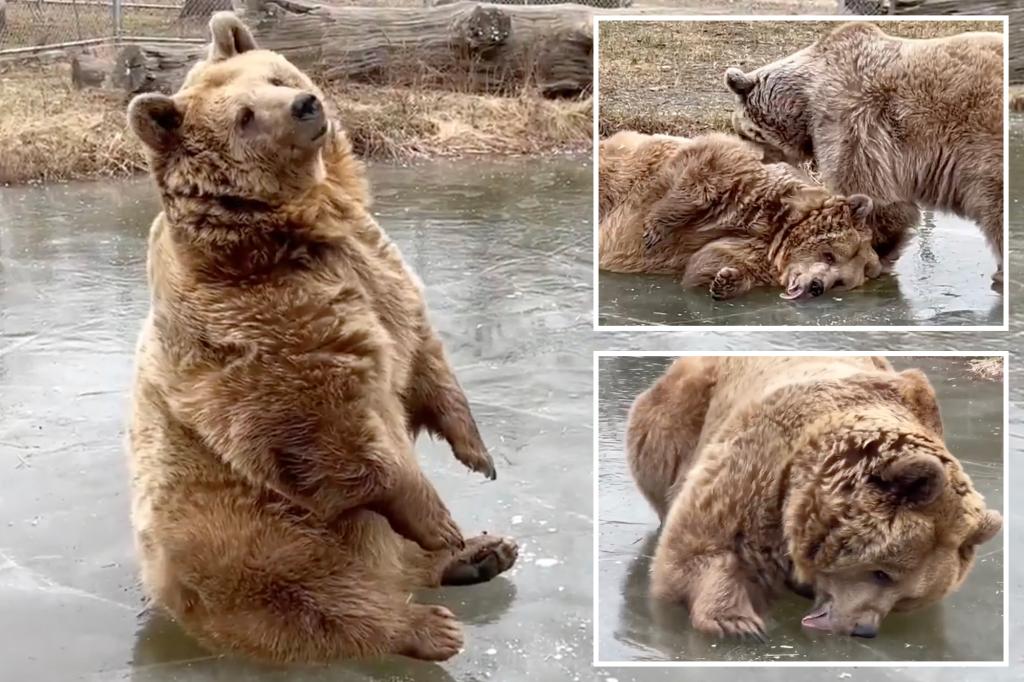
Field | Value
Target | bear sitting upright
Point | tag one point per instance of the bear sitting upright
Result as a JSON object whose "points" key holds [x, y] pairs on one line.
{"points": [[826, 474], [284, 370], [897, 119]]}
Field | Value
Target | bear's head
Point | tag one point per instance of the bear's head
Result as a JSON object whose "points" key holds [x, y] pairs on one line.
{"points": [[885, 519], [826, 243], [772, 107], [775, 106], [247, 127]]}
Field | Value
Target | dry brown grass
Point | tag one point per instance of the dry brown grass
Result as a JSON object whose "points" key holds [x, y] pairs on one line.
{"points": [[987, 368], [666, 77], [67, 134]]}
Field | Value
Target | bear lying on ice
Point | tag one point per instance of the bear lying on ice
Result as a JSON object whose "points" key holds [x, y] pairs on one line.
{"points": [[711, 210]]}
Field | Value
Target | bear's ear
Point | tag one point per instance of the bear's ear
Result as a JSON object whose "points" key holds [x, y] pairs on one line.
{"points": [[991, 524], [914, 480], [738, 82], [861, 206], [805, 200], [229, 36], [917, 394], [155, 119]]}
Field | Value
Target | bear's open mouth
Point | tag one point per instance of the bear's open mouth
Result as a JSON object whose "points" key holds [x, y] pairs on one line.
{"points": [[818, 618], [794, 291], [320, 133]]}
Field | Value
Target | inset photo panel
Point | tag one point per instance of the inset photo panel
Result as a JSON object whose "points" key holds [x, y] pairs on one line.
{"points": [[796, 510], [774, 172]]}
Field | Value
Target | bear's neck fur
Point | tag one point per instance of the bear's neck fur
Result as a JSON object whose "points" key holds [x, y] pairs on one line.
{"points": [[227, 236]]}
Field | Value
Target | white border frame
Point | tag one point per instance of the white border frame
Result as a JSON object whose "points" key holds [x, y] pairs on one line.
{"points": [[1004, 663], [1004, 19]]}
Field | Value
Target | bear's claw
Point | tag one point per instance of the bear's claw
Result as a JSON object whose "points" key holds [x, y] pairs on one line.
{"points": [[725, 284]]}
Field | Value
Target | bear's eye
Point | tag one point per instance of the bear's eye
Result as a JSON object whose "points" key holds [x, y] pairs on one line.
{"points": [[277, 82], [245, 117], [829, 257], [882, 578]]}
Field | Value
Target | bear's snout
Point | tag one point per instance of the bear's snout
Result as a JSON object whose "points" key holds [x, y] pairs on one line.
{"points": [[307, 107], [867, 631], [817, 287]]}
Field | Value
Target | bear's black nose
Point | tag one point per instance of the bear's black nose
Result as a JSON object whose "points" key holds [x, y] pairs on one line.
{"points": [[306, 107], [866, 631], [817, 288]]}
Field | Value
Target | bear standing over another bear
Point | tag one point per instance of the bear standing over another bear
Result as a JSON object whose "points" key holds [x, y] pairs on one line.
{"points": [[897, 119], [285, 368]]}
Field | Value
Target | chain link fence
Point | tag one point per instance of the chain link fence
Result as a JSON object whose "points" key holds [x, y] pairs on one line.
{"points": [[875, 7], [31, 26]]}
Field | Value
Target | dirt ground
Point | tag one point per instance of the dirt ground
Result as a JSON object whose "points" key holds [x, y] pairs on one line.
{"points": [[666, 77]]}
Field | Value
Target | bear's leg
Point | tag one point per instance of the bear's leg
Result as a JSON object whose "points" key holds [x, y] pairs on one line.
{"points": [[249, 583], [730, 268], [892, 225], [681, 209], [437, 403], [714, 588], [416, 511], [483, 558], [992, 227], [664, 426]]}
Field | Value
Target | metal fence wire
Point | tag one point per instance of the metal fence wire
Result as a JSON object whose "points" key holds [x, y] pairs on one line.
{"points": [[26, 25], [873, 7]]}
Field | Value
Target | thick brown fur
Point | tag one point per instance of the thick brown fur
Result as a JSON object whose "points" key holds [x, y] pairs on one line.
{"points": [[898, 119], [283, 373], [827, 473], [710, 209]]}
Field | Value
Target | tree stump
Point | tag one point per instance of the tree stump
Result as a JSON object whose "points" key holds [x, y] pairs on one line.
{"points": [[89, 71]]}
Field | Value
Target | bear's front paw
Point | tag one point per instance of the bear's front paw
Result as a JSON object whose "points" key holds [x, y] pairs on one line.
{"points": [[478, 460], [728, 282], [652, 238], [731, 625]]}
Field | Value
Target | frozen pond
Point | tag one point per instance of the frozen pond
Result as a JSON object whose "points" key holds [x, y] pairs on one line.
{"points": [[943, 278], [504, 250], [630, 628]]}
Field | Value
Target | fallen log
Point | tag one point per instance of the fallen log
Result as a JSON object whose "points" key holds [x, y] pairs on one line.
{"points": [[462, 46]]}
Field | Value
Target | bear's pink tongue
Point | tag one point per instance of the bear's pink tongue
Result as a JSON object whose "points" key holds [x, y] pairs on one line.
{"points": [[818, 619], [794, 291]]}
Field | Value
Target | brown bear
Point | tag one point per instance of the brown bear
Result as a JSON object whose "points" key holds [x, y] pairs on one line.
{"points": [[897, 119], [828, 474], [710, 209], [284, 370]]}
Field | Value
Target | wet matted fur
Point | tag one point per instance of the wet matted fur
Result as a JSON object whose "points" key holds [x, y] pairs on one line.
{"points": [[897, 119], [285, 368], [711, 210], [829, 474]]}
